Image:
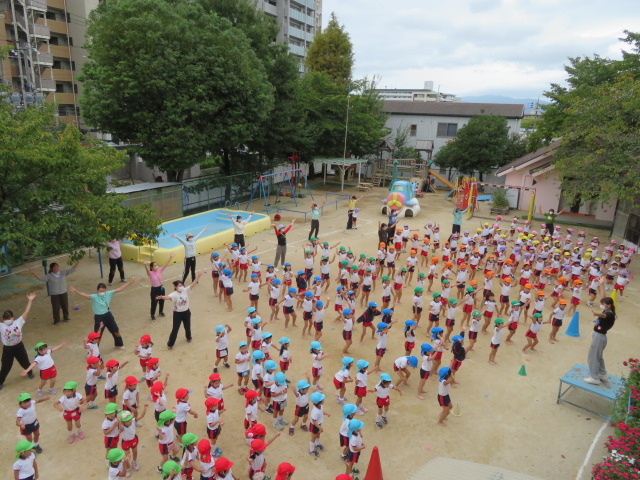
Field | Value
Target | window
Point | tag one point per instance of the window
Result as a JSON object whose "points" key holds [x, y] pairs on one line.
{"points": [[75, 88], [447, 129], [632, 232], [413, 130], [71, 41], [73, 65]]}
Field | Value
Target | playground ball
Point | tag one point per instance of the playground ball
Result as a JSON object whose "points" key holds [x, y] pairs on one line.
{"points": [[395, 201], [299, 185], [277, 217]]}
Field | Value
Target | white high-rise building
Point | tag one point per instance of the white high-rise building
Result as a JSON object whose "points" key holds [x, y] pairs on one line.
{"points": [[426, 94]]}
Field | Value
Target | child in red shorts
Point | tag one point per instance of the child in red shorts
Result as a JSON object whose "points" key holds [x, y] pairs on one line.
{"points": [[383, 401], [45, 363], [71, 404]]}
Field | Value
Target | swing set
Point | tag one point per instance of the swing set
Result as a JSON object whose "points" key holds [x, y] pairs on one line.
{"points": [[286, 184]]}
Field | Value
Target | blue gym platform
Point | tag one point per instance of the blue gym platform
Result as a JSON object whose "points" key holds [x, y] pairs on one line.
{"points": [[574, 378]]}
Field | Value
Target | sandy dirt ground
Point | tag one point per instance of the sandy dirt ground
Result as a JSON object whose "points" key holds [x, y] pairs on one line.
{"points": [[507, 420]]}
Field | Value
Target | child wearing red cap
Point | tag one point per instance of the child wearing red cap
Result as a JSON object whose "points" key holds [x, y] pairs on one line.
{"points": [[131, 395], [158, 398], [251, 408], [223, 470], [92, 345], [256, 460], [182, 409], [214, 423], [152, 375], [111, 383], [207, 461], [91, 380], [215, 389], [143, 351], [285, 471]]}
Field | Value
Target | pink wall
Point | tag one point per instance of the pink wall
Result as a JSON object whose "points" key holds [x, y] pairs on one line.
{"points": [[548, 194]]}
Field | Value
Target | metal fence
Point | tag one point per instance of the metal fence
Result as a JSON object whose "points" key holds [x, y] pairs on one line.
{"points": [[166, 201]]}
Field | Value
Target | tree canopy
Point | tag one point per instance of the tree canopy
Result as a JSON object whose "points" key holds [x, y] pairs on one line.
{"points": [[53, 196], [332, 52], [596, 117], [479, 146], [175, 77]]}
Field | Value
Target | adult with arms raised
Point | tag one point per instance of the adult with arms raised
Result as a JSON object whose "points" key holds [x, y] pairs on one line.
{"points": [[154, 272], [101, 306], [56, 280], [238, 228], [281, 248], [181, 311], [457, 218], [604, 322], [315, 220], [189, 244], [11, 336]]}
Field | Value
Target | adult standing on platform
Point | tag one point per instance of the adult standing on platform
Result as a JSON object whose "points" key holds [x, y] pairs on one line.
{"points": [[281, 248], [604, 323], [189, 253], [315, 220], [350, 209], [154, 272], [56, 279], [457, 218], [181, 311], [115, 260], [101, 306], [11, 336], [238, 227]]}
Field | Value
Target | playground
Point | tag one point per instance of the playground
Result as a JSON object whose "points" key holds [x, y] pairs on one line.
{"points": [[507, 420]]}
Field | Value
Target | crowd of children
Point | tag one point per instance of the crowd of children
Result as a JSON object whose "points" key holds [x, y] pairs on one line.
{"points": [[501, 278]]}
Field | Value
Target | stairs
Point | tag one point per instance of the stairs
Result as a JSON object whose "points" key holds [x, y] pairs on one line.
{"points": [[146, 252]]}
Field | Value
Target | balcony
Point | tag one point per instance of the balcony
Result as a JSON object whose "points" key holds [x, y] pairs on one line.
{"points": [[43, 59], [47, 85], [270, 9], [40, 31], [307, 3], [59, 4], [62, 75], [57, 27], [20, 21], [296, 50], [296, 32], [61, 98], [67, 119], [301, 17], [59, 51], [39, 5]]}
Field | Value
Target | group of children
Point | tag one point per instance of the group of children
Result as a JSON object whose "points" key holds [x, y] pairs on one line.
{"points": [[538, 274]]}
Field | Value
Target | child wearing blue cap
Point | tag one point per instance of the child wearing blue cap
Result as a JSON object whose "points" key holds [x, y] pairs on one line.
{"points": [[302, 405], [268, 380], [360, 390], [367, 320], [347, 329], [427, 352], [317, 418], [257, 357], [285, 354], [382, 329], [222, 346], [227, 288], [348, 412], [242, 367], [253, 288], [307, 310], [256, 333], [410, 327], [436, 337], [356, 445], [243, 260], [401, 367], [287, 274], [318, 316], [459, 354], [274, 295], [444, 400], [341, 378], [287, 309], [317, 355], [216, 268], [383, 401], [279, 397]]}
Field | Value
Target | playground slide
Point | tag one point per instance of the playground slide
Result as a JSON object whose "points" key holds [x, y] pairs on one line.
{"points": [[442, 179]]}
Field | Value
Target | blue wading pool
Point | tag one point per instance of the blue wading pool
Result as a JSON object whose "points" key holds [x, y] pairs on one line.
{"points": [[219, 231]]}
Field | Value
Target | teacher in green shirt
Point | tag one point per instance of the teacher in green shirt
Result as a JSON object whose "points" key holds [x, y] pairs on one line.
{"points": [[101, 306], [550, 218]]}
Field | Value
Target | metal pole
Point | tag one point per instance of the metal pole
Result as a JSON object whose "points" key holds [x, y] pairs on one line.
{"points": [[44, 267], [346, 130], [100, 262]]}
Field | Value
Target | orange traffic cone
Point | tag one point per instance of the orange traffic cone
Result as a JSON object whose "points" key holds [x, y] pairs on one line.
{"points": [[374, 470]]}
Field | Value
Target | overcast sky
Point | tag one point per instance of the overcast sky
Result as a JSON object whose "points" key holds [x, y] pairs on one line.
{"points": [[476, 47]]}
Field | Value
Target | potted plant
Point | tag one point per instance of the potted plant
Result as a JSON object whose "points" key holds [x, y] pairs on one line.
{"points": [[499, 201]]}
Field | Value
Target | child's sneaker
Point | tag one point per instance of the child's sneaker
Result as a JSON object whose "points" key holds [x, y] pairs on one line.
{"points": [[269, 409], [37, 448], [80, 435], [314, 453], [159, 468], [277, 425], [283, 421], [226, 365], [92, 407], [72, 438], [39, 393], [217, 452], [320, 447], [304, 428], [215, 369], [175, 459], [291, 431], [162, 314], [384, 419], [355, 470], [101, 377], [378, 424]]}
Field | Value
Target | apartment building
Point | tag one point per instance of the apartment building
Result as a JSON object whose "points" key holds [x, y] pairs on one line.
{"points": [[299, 20], [426, 94]]}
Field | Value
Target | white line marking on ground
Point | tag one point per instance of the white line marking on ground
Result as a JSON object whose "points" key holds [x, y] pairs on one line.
{"points": [[590, 452]]}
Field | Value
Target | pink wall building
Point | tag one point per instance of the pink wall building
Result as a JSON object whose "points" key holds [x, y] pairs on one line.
{"points": [[536, 170]]}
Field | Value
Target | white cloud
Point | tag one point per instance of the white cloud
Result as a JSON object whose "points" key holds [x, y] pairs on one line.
{"points": [[470, 47]]}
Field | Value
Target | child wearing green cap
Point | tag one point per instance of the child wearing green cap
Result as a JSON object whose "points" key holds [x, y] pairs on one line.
{"points": [[119, 464], [172, 471], [166, 438], [110, 428], [25, 466], [127, 426], [532, 333], [27, 419], [71, 404], [45, 363], [496, 339]]}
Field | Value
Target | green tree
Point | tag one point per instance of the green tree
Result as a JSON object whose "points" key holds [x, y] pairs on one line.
{"points": [[516, 147], [179, 80], [596, 117], [400, 144], [53, 196], [479, 146], [332, 52]]}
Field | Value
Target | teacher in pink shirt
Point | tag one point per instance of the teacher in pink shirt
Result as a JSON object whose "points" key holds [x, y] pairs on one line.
{"points": [[154, 272]]}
